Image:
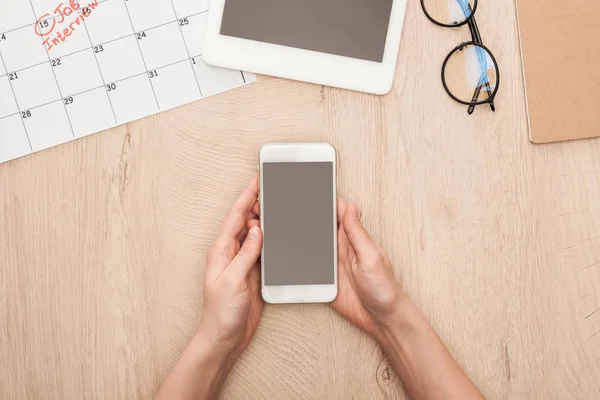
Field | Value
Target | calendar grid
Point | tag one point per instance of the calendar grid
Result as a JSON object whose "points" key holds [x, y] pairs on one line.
{"points": [[26, 25], [17, 103], [112, 108], [108, 42], [185, 44], [100, 76], [100, 87], [47, 19], [55, 79], [54, 101], [142, 53]]}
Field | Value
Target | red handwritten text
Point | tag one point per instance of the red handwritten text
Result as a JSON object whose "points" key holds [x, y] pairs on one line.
{"points": [[57, 29]]}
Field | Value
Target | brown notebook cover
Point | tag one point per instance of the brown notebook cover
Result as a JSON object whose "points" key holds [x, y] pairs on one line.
{"points": [[560, 47]]}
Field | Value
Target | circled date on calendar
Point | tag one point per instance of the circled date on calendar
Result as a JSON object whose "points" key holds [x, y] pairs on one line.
{"points": [[130, 60], [64, 20]]}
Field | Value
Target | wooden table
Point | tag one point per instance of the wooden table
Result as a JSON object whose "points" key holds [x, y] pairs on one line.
{"points": [[103, 240]]}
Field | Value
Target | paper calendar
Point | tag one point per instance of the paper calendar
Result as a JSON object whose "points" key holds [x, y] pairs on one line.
{"points": [[71, 68]]}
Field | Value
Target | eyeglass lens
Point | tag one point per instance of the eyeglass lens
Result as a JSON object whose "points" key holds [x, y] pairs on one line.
{"points": [[449, 12], [470, 74]]}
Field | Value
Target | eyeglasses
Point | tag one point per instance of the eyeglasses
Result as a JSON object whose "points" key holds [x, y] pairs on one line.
{"points": [[470, 72]]}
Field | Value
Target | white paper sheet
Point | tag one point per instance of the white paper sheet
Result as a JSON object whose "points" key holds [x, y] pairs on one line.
{"points": [[69, 69]]}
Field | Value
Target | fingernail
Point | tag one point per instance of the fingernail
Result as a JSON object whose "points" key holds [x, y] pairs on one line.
{"points": [[253, 232]]}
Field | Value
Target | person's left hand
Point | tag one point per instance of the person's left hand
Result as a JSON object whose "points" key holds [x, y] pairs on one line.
{"points": [[232, 299]]}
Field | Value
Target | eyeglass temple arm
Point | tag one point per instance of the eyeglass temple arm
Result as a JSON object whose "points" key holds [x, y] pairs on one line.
{"points": [[476, 96], [476, 36]]}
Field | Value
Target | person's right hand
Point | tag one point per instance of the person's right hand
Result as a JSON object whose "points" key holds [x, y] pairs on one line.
{"points": [[369, 295]]}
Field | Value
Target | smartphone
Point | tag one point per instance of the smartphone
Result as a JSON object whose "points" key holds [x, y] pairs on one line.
{"points": [[299, 222]]}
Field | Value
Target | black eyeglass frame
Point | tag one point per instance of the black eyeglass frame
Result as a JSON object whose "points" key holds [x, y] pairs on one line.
{"points": [[476, 41]]}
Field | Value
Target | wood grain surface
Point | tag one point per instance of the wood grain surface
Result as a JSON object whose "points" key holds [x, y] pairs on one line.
{"points": [[103, 240]]}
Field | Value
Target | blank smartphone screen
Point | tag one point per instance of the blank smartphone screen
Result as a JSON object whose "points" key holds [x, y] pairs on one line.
{"points": [[350, 28], [298, 223]]}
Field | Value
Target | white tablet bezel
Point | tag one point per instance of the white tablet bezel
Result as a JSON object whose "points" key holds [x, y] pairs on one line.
{"points": [[295, 152], [304, 65]]}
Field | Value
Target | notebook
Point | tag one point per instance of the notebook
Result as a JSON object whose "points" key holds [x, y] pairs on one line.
{"points": [[560, 46]]}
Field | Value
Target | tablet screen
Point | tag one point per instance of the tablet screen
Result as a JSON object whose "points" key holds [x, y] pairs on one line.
{"points": [[350, 28]]}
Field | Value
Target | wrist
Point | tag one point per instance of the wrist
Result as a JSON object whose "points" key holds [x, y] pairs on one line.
{"points": [[401, 324], [205, 359], [209, 346]]}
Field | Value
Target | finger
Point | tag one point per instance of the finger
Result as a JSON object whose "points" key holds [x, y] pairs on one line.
{"points": [[241, 236], [341, 209], [252, 215], [253, 219], [256, 208], [248, 254], [254, 279], [221, 254], [359, 238], [252, 222], [236, 219], [343, 243]]}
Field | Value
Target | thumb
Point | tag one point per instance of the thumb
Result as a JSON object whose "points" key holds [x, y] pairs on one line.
{"points": [[246, 258], [357, 234]]}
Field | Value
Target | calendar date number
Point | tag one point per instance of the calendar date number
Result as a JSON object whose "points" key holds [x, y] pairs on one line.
{"points": [[56, 26]]}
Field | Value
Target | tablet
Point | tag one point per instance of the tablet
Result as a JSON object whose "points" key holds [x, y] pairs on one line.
{"points": [[351, 44]]}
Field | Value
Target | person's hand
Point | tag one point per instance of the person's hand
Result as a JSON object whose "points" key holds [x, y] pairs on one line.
{"points": [[369, 295], [232, 299]]}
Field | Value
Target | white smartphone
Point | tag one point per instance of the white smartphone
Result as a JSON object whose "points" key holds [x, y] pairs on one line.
{"points": [[299, 222]]}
